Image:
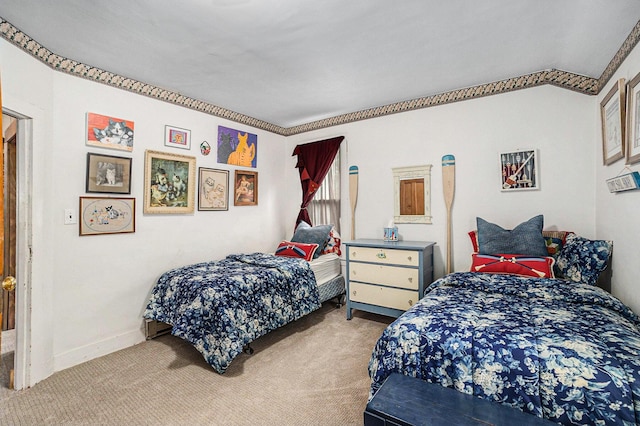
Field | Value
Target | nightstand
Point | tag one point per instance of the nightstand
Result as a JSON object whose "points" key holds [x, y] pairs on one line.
{"points": [[387, 277]]}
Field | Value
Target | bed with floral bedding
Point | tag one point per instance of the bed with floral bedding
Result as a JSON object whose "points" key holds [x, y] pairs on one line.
{"points": [[222, 306], [559, 348]]}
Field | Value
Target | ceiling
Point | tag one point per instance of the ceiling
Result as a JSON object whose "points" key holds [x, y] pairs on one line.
{"points": [[290, 62]]}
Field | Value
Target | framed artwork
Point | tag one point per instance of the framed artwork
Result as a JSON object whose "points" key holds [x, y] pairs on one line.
{"points": [[245, 188], [109, 132], [213, 189], [108, 174], [633, 121], [519, 170], [103, 215], [177, 137], [169, 183], [237, 148], [612, 112]]}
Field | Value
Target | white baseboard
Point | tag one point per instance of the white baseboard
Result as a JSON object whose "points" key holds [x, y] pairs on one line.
{"points": [[95, 350]]}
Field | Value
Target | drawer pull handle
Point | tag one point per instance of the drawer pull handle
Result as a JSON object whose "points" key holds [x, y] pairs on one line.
{"points": [[353, 254], [409, 258], [354, 293], [410, 279], [410, 302], [381, 255]]}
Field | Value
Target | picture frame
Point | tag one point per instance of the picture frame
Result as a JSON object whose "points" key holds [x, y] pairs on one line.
{"points": [[108, 132], [108, 174], [612, 114], [519, 170], [169, 183], [245, 186], [177, 137], [237, 148], [107, 215], [633, 120], [213, 189]]}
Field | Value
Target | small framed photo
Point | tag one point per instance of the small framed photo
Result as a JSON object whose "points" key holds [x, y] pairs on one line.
{"points": [[213, 189], [169, 183], [108, 174], [519, 170], [177, 137], [633, 120], [612, 112], [109, 132], [245, 188], [103, 215]]}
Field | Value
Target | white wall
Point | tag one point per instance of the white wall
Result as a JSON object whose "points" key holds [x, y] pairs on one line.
{"points": [[617, 214], [559, 123], [89, 292]]}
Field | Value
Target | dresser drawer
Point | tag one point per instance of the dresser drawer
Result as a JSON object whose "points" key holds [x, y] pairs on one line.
{"points": [[382, 296], [395, 276], [384, 255]]}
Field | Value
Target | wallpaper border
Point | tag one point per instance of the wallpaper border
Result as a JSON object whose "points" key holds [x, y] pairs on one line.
{"points": [[563, 79]]}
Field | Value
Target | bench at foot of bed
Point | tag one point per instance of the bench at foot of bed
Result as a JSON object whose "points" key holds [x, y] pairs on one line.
{"points": [[403, 400]]}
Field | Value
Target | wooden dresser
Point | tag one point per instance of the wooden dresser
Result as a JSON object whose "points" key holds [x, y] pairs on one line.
{"points": [[387, 277]]}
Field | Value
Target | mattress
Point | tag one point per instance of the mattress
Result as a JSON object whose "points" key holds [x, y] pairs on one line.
{"points": [[325, 267]]}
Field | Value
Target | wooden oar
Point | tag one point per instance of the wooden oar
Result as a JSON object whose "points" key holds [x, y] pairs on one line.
{"points": [[448, 188], [353, 197]]}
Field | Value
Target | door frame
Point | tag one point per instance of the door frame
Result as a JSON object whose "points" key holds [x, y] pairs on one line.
{"points": [[24, 173]]}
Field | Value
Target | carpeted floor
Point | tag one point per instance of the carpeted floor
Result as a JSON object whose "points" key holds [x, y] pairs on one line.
{"points": [[311, 372]]}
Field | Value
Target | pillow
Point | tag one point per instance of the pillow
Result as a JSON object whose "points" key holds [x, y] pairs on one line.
{"points": [[308, 234], [554, 240], [333, 245], [583, 260], [301, 250], [539, 267], [524, 239]]}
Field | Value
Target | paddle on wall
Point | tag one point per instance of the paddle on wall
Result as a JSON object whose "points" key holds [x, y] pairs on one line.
{"points": [[448, 188], [353, 197]]}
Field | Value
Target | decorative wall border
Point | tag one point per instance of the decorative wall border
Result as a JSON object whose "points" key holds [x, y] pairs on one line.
{"points": [[563, 79]]}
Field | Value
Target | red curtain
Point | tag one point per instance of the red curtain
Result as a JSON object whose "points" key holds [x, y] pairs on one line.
{"points": [[314, 161]]}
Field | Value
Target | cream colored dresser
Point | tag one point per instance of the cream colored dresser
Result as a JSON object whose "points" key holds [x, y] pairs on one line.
{"points": [[387, 277]]}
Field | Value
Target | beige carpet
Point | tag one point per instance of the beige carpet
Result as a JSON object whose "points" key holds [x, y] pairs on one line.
{"points": [[311, 372]]}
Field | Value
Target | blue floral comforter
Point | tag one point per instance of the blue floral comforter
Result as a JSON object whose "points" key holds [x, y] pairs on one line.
{"points": [[562, 350], [219, 307]]}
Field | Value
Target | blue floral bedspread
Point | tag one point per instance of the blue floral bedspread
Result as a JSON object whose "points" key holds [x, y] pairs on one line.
{"points": [[562, 350], [219, 307]]}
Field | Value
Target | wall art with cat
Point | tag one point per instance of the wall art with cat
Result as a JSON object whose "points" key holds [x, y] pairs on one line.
{"points": [[109, 132], [237, 148]]}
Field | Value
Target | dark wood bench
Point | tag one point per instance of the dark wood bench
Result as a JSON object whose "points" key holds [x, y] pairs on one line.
{"points": [[404, 401]]}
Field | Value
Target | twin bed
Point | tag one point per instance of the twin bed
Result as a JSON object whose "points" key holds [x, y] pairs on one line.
{"points": [[511, 332], [220, 307]]}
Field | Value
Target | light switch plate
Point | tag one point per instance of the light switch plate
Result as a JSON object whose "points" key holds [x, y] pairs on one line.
{"points": [[70, 217]]}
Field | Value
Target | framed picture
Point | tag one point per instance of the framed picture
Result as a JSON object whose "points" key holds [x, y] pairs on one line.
{"points": [[633, 121], [245, 188], [169, 183], [213, 189], [108, 174], [519, 170], [103, 215], [237, 148], [177, 137], [612, 111], [109, 132]]}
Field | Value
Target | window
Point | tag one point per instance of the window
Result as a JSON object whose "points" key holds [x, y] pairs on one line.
{"points": [[324, 209]]}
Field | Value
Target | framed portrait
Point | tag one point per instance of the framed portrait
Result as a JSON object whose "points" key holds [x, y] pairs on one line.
{"points": [[213, 189], [108, 174], [109, 132], [169, 183], [104, 215], [519, 170], [612, 112], [177, 137], [245, 192], [633, 121]]}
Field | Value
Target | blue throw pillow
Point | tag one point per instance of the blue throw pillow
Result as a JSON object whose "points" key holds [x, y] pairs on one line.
{"points": [[308, 234], [583, 260], [525, 239]]}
